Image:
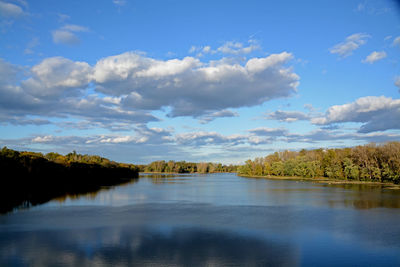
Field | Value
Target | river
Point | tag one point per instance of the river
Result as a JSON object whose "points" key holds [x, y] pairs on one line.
{"points": [[209, 220]]}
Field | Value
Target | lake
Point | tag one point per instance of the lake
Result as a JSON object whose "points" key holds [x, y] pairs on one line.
{"points": [[209, 220]]}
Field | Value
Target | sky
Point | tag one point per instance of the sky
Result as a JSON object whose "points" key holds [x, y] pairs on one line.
{"points": [[221, 81]]}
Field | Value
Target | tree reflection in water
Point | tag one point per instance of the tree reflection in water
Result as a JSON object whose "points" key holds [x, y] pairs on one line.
{"points": [[141, 247]]}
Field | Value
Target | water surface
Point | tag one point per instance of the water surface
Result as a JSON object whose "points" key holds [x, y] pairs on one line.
{"points": [[209, 220]]}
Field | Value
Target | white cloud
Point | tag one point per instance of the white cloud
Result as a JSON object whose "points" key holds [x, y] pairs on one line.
{"points": [[321, 135], [218, 114], [230, 47], [57, 87], [309, 107], [121, 139], [143, 135], [387, 38], [43, 139], [206, 49], [352, 42], [377, 113], [396, 41], [204, 138], [10, 10], [265, 131], [65, 37], [193, 88], [287, 116], [66, 34], [397, 82], [238, 48], [132, 85], [74, 28], [375, 56], [56, 75], [193, 49]]}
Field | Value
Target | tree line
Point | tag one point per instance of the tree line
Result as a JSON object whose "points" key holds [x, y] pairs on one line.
{"points": [[171, 166], [371, 162], [30, 178]]}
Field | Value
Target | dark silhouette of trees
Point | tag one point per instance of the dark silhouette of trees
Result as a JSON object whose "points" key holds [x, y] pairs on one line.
{"points": [[30, 178], [372, 162]]}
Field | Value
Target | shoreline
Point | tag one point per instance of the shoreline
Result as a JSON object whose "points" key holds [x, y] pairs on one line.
{"points": [[173, 173], [323, 180]]}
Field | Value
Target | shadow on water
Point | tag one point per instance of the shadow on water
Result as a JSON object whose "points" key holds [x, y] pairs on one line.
{"points": [[168, 178], [357, 196], [40, 195], [365, 196], [143, 247]]}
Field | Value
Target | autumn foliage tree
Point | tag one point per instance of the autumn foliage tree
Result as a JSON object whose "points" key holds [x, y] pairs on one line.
{"points": [[370, 162]]}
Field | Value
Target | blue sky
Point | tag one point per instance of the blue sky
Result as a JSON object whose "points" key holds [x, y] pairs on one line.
{"points": [[224, 81]]}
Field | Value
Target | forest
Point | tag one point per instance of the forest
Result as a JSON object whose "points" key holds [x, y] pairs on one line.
{"points": [[371, 162], [171, 166], [30, 178]]}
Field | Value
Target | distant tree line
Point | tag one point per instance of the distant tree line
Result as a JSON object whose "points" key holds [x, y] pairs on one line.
{"points": [[186, 167], [370, 162], [30, 178]]}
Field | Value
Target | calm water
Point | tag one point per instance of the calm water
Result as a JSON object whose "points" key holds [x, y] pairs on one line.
{"points": [[209, 220]]}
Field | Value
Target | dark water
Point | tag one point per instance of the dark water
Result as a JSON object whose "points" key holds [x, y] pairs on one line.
{"points": [[209, 220]]}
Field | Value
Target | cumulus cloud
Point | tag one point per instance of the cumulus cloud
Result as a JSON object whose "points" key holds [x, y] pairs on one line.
{"points": [[129, 86], [376, 113], [351, 43], [287, 116], [193, 88], [10, 10], [375, 56], [57, 75], [57, 87], [66, 34]]}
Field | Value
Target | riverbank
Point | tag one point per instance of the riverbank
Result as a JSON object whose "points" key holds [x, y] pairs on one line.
{"points": [[181, 173], [324, 180], [29, 178]]}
